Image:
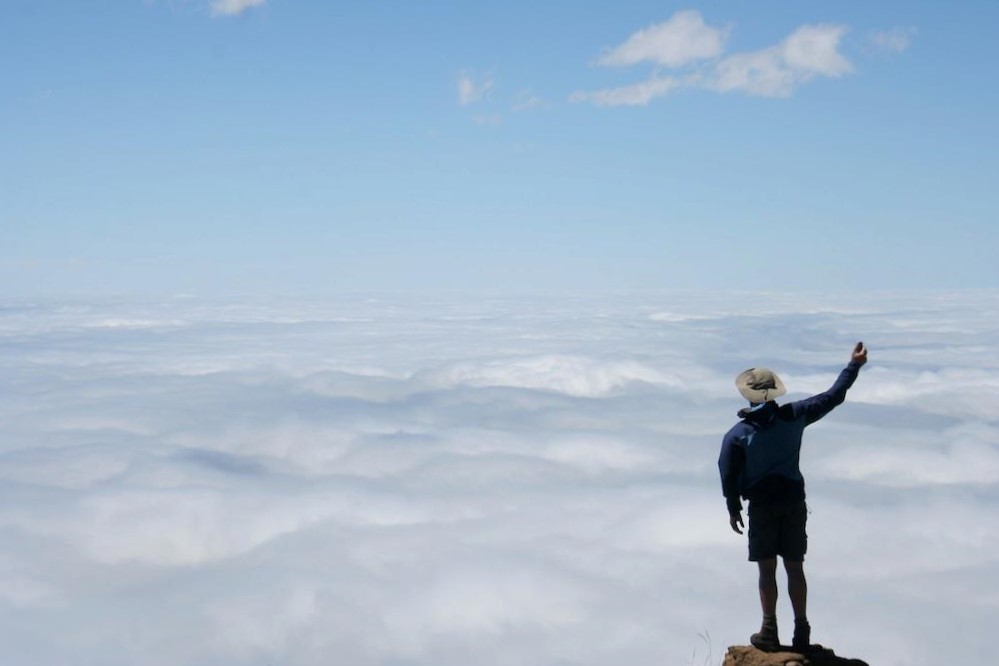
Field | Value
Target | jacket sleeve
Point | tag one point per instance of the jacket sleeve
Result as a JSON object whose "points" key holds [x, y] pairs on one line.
{"points": [[730, 465], [817, 406]]}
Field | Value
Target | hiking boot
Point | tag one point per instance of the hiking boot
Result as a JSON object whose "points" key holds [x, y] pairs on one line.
{"points": [[802, 636], [766, 639]]}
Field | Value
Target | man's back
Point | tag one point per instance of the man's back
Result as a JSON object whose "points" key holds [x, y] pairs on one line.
{"points": [[760, 454], [759, 461]]}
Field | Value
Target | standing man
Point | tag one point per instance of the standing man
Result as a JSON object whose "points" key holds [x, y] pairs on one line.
{"points": [[759, 462]]}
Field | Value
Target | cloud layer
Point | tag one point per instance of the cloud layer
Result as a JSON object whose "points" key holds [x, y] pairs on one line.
{"points": [[446, 481], [686, 42]]}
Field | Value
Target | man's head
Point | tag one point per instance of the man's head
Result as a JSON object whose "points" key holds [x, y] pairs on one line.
{"points": [[758, 385]]}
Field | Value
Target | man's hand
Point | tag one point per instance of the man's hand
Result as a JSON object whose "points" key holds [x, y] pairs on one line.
{"points": [[859, 354], [735, 521]]}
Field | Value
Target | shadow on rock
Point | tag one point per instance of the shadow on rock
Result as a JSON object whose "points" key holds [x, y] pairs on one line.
{"points": [[745, 655]]}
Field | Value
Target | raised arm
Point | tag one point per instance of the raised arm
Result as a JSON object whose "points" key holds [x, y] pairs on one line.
{"points": [[817, 406]]}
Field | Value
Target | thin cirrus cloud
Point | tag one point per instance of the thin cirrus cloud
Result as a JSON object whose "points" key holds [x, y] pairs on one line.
{"points": [[476, 91], [895, 40], [525, 100], [636, 94], [686, 43], [472, 89], [233, 7], [454, 480]]}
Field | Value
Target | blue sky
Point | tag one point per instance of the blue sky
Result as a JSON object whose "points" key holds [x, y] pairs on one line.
{"points": [[198, 146]]}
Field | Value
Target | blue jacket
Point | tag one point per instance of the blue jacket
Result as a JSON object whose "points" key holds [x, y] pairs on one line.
{"points": [[759, 455]]}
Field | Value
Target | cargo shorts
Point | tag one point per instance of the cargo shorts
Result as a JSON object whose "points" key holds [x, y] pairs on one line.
{"points": [[778, 529]]}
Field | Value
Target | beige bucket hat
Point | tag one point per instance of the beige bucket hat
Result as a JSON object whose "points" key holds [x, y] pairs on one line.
{"points": [[760, 385]]}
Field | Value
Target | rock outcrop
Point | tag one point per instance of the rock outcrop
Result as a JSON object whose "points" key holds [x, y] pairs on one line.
{"points": [[745, 655]]}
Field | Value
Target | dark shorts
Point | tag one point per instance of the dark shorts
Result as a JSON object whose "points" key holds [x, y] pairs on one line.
{"points": [[778, 529]]}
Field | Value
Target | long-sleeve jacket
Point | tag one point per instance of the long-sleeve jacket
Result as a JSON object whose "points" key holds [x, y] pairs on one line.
{"points": [[759, 455]]}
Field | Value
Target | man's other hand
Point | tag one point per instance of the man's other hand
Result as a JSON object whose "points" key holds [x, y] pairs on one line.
{"points": [[859, 354], [735, 521]]}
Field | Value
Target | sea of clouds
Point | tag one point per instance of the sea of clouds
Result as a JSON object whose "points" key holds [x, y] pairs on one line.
{"points": [[395, 480]]}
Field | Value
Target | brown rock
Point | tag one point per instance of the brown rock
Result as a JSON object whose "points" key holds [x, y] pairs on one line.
{"points": [[745, 655]]}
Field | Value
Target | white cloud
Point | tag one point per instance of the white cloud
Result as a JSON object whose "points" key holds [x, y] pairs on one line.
{"points": [[776, 71], [526, 100], [471, 90], [563, 374], [233, 7], [966, 461], [682, 39], [814, 50], [760, 73], [636, 94], [397, 479], [895, 40]]}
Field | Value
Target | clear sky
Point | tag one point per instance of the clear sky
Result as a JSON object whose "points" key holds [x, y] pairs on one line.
{"points": [[247, 145]]}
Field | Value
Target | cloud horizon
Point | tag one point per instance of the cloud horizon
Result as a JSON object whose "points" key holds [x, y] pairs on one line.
{"points": [[391, 479]]}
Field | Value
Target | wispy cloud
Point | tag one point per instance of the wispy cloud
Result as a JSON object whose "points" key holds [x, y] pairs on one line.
{"points": [[636, 94], [685, 40], [895, 40], [471, 89], [810, 51], [477, 91], [682, 39], [233, 7], [525, 101]]}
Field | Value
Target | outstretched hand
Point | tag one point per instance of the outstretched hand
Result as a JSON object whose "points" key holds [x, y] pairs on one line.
{"points": [[859, 354], [735, 521]]}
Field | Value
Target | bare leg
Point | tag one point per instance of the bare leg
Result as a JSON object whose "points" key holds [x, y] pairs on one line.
{"points": [[767, 639], [797, 588], [768, 587]]}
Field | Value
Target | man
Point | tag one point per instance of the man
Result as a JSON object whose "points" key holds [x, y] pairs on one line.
{"points": [[759, 462]]}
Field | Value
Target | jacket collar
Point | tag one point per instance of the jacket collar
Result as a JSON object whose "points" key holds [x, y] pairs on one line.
{"points": [[759, 414]]}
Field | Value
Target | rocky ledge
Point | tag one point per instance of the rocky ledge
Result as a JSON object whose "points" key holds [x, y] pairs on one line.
{"points": [[745, 655]]}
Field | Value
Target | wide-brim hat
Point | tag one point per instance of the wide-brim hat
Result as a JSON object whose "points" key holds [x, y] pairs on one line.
{"points": [[760, 385]]}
